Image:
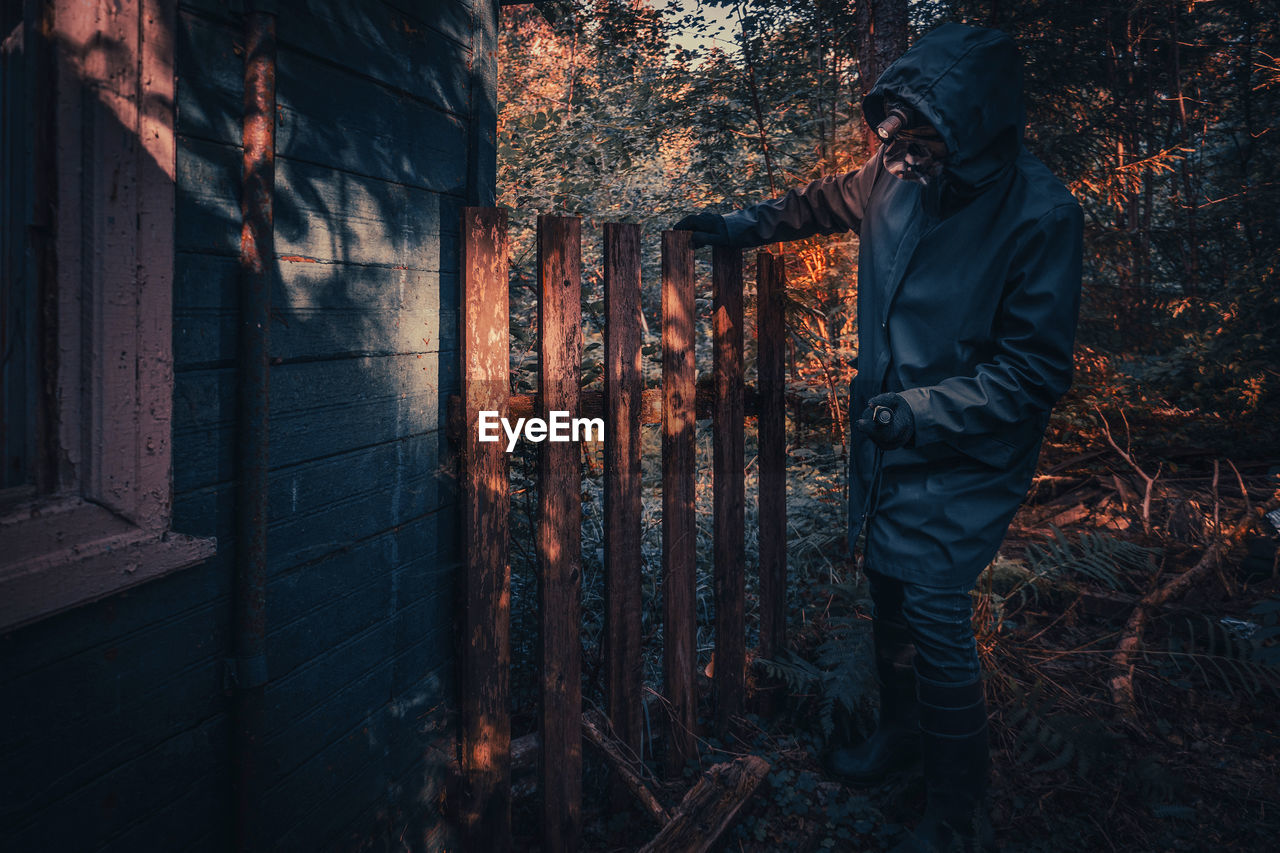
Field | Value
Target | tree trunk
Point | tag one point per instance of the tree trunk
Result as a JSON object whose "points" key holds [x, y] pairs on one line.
{"points": [[882, 38]]}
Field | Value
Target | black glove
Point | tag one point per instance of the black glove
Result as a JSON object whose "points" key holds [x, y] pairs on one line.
{"points": [[887, 421], [708, 229]]}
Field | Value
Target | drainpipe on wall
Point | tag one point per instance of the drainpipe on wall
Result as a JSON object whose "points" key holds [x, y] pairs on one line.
{"points": [[257, 266]]}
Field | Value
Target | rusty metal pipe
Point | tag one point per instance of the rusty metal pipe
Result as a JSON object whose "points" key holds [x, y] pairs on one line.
{"points": [[257, 266]]}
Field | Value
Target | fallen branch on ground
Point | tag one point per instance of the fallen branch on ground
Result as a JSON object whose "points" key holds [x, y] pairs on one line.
{"points": [[710, 807], [1131, 640], [595, 728]]}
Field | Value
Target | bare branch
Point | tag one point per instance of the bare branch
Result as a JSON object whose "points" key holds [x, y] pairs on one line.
{"points": [[1131, 640], [1148, 480]]}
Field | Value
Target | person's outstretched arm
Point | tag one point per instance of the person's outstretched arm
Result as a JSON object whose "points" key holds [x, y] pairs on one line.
{"points": [[827, 205]]}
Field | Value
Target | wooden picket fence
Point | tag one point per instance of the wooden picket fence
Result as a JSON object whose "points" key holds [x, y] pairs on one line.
{"points": [[486, 754]]}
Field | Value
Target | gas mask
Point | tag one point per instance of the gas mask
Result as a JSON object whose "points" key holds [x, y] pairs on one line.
{"points": [[914, 151]]}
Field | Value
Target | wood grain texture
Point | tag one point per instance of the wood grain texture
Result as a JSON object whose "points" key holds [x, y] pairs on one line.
{"points": [[421, 55], [679, 528], [332, 691], [772, 449], [486, 722], [328, 117], [337, 508], [328, 112], [336, 217], [322, 312], [559, 534], [69, 737], [622, 558], [319, 409], [326, 792], [323, 215], [728, 487], [140, 790], [710, 807], [482, 131]]}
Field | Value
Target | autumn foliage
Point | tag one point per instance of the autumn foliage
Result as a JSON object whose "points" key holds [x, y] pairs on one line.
{"points": [[1143, 533]]}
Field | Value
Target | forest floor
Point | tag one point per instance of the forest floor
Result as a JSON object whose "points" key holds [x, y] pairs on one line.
{"points": [[1193, 765], [1187, 759]]}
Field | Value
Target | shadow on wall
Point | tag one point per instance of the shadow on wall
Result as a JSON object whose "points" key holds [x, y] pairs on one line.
{"points": [[370, 180], [120, 724]]}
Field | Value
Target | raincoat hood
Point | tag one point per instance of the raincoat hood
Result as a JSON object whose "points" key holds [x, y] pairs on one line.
{"points": [[967, 82]]}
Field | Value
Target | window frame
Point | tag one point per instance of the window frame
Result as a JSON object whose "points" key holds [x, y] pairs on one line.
{"points": [[97, 520]]}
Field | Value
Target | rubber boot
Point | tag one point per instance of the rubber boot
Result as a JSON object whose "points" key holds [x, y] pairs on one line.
{"points": [[895, 743], [955, 742]]}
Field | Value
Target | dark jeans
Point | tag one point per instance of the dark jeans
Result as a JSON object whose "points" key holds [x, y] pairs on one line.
{"points": [[939, 619]]}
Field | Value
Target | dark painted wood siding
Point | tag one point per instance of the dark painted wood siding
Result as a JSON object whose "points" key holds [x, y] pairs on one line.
{"points": [[116, 713]]}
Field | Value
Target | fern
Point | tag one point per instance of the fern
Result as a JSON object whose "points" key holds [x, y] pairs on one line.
{"points": [[1049, 741], [842, 677], [797, 673], [846, 659], [1097, 556], [1208, 650]]}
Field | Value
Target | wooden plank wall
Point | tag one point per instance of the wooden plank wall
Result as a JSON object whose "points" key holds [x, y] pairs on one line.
{"points": [[125, 734]]}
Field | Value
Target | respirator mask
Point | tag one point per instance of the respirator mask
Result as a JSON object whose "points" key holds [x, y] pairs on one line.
{"points": [[913, 149]]}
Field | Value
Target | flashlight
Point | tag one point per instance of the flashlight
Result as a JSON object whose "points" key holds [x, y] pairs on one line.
{"points": [[882, 414], [894, 122]]}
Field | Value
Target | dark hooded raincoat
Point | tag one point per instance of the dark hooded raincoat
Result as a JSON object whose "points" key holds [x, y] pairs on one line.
{"points": [[968, 291]]}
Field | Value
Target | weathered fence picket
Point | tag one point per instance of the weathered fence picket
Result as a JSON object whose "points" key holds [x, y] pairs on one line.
{"points": [[485, 707], [559, 534], [623, 392], [728, 488], [624, 405], [771, 449], [679, 523]]}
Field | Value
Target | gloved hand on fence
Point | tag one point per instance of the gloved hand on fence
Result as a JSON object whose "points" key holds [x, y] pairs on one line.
{"points": [[895, 425], [708, 229]]}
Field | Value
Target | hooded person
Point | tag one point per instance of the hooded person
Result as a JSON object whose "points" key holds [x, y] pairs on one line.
{"points": [[969, 269]]}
